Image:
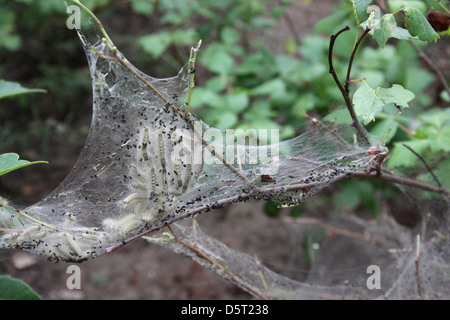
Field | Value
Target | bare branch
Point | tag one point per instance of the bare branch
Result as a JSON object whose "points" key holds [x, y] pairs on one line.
{"points": [[425, 164], [255, 194], [345, 89], [431, 66]]}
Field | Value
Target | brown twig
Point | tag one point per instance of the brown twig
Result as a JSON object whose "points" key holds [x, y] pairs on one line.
{"points": [[425, 164], [291, 26], [431, 66], [210, 260], [321, 125], [352, 57], [124, 62], [277, 189], [345, 89]]}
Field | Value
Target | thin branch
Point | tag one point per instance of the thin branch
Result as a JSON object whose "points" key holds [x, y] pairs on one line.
{"points": [[330, 60], [291, 26], [425, 164], [255, 194], [345, 89], [417, 261], [122, 60], [352, 57], [402, 181], [321, 125], [204, 256], [431, 66], [331, 229]]}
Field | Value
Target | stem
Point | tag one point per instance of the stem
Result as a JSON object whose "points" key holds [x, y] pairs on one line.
{"points": [[352, 57], [191, 70], [425, 164], [419, 289], [431, 66], [321, 125], [274, 190], [122, 60], [203, 255], [96, 20], [345, 89], [28, 217]]}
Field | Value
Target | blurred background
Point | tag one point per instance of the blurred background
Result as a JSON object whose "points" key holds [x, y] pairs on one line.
{"points": [[261, 65]]}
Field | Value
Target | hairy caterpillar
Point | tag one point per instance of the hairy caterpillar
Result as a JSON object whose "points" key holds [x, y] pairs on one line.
{"points": [[162, 172]]}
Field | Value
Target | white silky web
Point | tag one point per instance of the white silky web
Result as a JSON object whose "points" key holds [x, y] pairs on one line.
{"points": [[146, 164]]}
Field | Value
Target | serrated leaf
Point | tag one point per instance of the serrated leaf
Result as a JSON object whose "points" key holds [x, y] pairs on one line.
{"points": [[16, 289], [369, 101], [9, 88], [439, 138], [418, 25], [384, 30], [10, 162]]}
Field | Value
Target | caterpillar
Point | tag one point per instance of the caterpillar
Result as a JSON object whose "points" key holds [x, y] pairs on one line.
{"points": [[161, 173]]}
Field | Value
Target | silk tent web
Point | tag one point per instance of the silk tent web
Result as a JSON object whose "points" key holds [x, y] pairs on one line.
{"points": [[147, 162]]}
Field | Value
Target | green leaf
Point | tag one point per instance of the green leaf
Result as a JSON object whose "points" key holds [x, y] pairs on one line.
{"points": [[227, 120], [360, 8], [439, 138], [418, 25], [332, 22], [395, 5], [401, 156], [436, 5], [304, 103], [384, 30], [270, 87], [438, 118], [229, 35], [237, 102], [9, 88], [402, 34], [443, 173], [347, 197], [217, 59], [184, 36], [10, 162], [339, 117], [16, 289], [216, 84], [369, 101], [142, 6], [155, 44], [381, 128]]}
